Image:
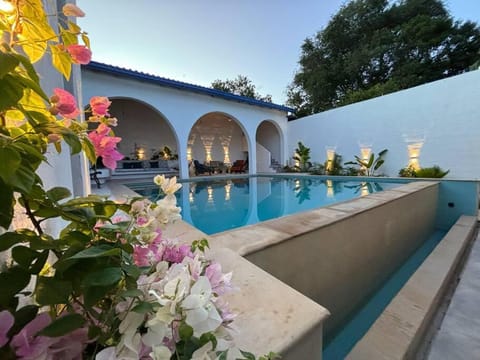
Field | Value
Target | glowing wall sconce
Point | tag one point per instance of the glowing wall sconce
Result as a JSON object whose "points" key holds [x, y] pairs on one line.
{"points": [[330, 157], [189, 153], [365, 152], [414, 155], [141, 154], [226, 158]]}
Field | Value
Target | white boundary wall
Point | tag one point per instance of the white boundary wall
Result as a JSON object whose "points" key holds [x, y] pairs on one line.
{"points": [[444, 114]]}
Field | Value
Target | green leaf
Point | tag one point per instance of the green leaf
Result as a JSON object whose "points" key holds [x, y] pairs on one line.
{"points": [[37, 266], [103, 277], [248, 355], [143, 307], [72, 140], [8, 63], [30, 70], [24, 178], [61, 61], [12, 281], [9, 239], [24, 256], [10, 160], [89, 150], [50, 291], [58, 193], [31, 84], [185, 331], [97, 251], [94, 294], [7, 202], [10, 92], [131, 293], [63, 325]]}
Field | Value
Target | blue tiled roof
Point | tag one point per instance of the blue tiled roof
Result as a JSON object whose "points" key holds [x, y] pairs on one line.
{"points": [[115, 70]]}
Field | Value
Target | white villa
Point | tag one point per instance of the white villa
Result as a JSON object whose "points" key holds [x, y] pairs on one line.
{"points": [[432, 124]]}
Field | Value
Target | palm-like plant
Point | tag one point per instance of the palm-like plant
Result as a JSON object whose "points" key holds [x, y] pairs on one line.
{"points": [[302, 158], [369, 166]]}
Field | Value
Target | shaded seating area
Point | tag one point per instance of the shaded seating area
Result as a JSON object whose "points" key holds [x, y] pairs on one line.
{"points": [[201, 168], [239, 166]]}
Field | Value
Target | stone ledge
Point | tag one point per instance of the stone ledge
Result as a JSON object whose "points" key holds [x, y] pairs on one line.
{"points": [[398, 331]]}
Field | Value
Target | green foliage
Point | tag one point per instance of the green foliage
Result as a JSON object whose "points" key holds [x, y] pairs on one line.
{"points": [[369, 166], [302, 158], [429, 172], [373, 47], [334, 167], [243, 86]]}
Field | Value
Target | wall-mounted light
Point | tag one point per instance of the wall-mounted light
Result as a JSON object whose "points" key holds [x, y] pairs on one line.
{"points": [[189, 153], [330, 157], [414, 155], [226, 157], [140, 153]]}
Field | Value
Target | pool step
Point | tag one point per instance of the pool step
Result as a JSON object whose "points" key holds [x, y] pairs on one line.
{"points": [[400, 330]]}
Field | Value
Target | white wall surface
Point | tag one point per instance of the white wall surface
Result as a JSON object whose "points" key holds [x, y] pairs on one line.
{"points": [[444, 113], [182, 108]]}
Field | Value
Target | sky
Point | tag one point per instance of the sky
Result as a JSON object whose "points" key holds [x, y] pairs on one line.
{"points": [[199, 41]]}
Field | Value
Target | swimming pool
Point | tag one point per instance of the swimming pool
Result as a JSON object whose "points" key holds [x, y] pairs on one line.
{"points": [[223, 204]]}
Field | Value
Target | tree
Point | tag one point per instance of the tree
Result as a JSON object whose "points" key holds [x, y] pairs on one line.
{"points": [[242, 85], [372, 47]]}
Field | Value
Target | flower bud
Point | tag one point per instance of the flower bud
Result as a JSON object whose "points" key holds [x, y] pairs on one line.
{"points": [[53, 110], [53, 138], [54, 99], [72, 10]]}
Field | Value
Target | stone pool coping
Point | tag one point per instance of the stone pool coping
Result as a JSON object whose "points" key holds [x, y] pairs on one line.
{"points": [[271, 232], [399, 331]]}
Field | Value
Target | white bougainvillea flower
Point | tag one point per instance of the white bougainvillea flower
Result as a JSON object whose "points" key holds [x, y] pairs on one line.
{"points": [[160, 353], [170, 186], [204, 353], [156, 331], [201, 313], [159, 180]]}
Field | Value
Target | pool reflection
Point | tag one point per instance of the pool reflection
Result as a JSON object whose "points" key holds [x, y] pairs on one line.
{"points": [[220, 205]]}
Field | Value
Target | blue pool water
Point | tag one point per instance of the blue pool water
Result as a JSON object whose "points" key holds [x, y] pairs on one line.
{"points": [[338, 345], [224, 204]]}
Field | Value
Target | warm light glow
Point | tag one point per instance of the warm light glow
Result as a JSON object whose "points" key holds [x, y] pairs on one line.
{"points": [[330, 157], [330, 192], [226, 157], [414, 154], [208, 154], [6, 7], [228, 187], [364, 190], [189, 153], [210, 194], [365, 152], [190, 197], [140, 153]]}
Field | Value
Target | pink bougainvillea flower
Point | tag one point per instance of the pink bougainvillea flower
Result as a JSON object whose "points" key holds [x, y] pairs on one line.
{"points": [[80, 54], [176, 254], [6, 322], [72, 10], [99, 105], [105, 146], [64, 103], [29, 346]]}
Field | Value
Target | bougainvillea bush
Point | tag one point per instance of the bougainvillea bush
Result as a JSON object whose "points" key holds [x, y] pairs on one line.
{"points": [[109, 285]]}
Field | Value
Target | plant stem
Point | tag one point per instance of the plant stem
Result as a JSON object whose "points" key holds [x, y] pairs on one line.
{"points": [[34, 221]]}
